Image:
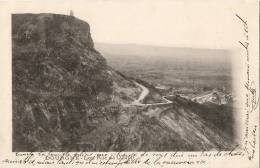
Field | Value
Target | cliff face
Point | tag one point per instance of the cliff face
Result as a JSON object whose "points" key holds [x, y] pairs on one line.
{"points": [[54, 53], [59, 80]]}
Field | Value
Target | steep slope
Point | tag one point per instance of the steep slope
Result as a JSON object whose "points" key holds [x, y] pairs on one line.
{"points": [[61, 84], [66, 97], [186, 127]]}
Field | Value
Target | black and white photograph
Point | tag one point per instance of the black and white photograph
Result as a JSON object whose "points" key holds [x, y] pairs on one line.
{"points": [[123, 78]]}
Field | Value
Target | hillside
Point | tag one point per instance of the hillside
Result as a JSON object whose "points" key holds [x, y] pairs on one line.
{"points": [[67, 98], [60, 82]]}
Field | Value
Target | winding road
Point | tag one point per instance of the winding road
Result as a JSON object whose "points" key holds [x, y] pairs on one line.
{"points": [[145, 92], [142, 96]]}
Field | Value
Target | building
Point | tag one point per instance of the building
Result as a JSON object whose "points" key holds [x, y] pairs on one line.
{"points": [[71, 13]]}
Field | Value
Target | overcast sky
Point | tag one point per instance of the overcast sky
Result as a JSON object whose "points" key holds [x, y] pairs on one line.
{"points": [[203, 24]]}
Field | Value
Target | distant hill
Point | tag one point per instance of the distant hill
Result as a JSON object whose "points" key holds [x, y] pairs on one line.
{"points": [[149, 51]]}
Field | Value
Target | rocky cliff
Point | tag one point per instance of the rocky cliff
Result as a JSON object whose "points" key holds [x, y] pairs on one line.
{"points": [[61, 84]]}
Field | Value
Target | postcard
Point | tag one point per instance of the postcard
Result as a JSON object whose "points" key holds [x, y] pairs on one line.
{"points": [[137, 83]]}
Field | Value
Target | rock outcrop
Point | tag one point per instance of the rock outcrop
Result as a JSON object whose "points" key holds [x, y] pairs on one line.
{"points": [[61, 84]]}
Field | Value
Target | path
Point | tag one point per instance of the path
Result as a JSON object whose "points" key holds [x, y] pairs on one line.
{"points": [[142, 96], [145, 92]]}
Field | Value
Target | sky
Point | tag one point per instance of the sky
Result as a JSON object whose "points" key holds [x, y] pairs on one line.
{"points": [[200, 24]]}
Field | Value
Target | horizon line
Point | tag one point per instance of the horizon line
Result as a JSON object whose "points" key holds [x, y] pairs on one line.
{"points": [[163, 46]]}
